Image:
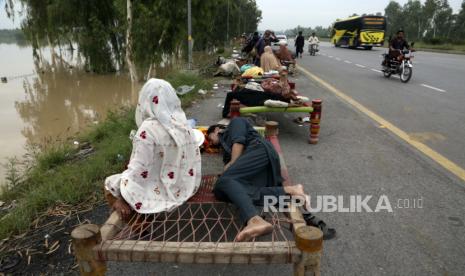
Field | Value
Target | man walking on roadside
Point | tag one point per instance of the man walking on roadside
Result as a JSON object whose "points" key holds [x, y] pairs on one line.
{"points": [[299, 45]]}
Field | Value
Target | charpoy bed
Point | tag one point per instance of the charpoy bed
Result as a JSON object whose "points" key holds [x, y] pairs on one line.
{"points": [[314, 112], [201, 231]]}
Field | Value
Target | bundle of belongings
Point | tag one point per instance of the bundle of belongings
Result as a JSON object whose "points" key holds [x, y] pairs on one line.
{"points": [[253, 72], [270, 92], [228, 67]]}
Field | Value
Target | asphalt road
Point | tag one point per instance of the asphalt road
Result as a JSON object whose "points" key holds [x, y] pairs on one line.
{"points": [[430, 108], [357, 156]]}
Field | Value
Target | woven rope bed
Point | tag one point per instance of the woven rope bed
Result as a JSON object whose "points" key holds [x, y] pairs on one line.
{"points": [[201, 231], [313, 109]]}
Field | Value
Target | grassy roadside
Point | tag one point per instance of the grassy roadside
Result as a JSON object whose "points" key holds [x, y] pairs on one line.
{"points": [[422, 46], [441, 48], [59, 176]]}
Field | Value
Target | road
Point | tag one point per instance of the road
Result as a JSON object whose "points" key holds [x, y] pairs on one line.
{"points": [[358, 156], [430, 108]]}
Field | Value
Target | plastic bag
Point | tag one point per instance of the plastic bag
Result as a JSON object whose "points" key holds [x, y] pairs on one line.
{"points": [[184, 89]]}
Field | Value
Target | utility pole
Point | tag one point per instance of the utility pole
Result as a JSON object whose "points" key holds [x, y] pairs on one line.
{"points": [[227, 26], [189, 34]]}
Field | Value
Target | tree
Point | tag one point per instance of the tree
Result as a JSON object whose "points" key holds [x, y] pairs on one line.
{"points": [[113, 34], [412, 11], [129, 59], [459, 25], [394, 17], [429, 11], [444, 20]]}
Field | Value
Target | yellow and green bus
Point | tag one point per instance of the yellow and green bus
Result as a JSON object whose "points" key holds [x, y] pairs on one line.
{"points": [[359, 31]]}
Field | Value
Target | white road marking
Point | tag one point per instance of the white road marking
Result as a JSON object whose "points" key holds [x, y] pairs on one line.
{"points": [[346, 61], [359, 65], [330, 56], [338, 59], [378, 71], [434, 88]]}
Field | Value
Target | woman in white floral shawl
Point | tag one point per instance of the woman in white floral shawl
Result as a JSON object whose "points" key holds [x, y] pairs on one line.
{"points": [[164, 170]]}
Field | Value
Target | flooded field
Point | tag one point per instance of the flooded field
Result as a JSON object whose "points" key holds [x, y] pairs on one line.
{"points": [[42, 106]]}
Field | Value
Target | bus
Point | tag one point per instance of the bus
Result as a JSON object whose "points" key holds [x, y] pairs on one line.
{"points": [[359, 31]]}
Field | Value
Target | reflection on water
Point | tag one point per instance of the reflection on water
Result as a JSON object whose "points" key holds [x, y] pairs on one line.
{"points": [[52, 104], [57, 105]]}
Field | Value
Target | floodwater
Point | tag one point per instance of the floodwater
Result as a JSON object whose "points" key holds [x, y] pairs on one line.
{"points": [[51, 105]]}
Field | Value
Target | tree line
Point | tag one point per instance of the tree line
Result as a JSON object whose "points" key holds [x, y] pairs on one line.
{"points": [[158, 28], [432, 21], [307, 31], [12, 36]]}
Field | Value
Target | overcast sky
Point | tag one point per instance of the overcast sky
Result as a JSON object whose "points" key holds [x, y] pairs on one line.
{"points": [[287, 14], [280, 15]]}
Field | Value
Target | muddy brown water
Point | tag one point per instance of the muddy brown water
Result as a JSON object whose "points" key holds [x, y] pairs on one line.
{"points": [[46, 106]]}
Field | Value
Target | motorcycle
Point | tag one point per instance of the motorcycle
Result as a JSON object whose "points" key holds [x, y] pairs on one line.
{"points": [[402, 66], [312, 49]]}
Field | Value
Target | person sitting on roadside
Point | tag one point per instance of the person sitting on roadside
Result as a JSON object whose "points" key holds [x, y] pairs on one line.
{"points": [[396, 46], [252, 171], [284, 55], [268, 60], [164, 169], [280, 86]]}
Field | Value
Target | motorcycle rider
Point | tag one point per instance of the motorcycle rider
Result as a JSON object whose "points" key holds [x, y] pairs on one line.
{"points": [[313, 41], [396, 46]]}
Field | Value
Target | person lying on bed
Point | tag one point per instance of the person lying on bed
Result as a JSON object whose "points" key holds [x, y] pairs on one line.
{"points": [[251, 95], [164, 169], [252, 170], [254, 94], [280, 86]]}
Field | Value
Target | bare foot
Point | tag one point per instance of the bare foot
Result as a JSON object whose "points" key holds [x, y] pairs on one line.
{"points": [[256, 226], [298, 191], [295, 190]]}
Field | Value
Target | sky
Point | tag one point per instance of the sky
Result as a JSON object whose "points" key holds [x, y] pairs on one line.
{"points": [[280, 15], [5, 22], [287, 14]]}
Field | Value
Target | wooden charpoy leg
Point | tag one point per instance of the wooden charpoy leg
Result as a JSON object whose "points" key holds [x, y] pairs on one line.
{"points": [[85, 237], [309, 240], [234, 109], [315, 118], [271, 128]]}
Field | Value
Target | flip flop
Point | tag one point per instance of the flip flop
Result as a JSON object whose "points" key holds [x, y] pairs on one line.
{"points": [[298, 120], [9, 262], [311, 220]]}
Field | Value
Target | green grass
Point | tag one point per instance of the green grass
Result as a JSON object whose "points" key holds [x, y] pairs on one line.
{"points": [[55, 177], [446, 47]]}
